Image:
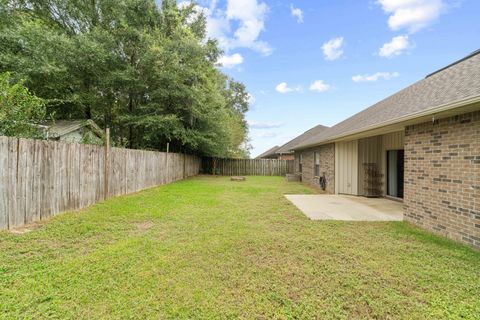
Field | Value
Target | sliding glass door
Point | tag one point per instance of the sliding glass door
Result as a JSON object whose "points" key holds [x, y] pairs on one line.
{"points": [[395, 168]]}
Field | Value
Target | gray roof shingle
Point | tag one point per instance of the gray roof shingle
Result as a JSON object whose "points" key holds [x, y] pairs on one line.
{"points": [[268, 153], [60, 128], [288, 147], [454, 83]]}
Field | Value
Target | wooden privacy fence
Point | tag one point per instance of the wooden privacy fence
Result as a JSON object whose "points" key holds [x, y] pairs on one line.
{"points": [[251, 167], [39, 179]]}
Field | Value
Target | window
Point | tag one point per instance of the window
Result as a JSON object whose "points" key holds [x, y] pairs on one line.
{"points": [[300, 163], [316, 157]]}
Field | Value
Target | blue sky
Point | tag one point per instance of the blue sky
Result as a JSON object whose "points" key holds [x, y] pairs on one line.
{"points": [[319, 62]]}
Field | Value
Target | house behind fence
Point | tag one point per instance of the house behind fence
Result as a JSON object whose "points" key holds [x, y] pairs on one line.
{"points": [[39, 179]]}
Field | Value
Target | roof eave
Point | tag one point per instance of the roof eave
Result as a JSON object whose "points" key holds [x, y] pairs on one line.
{"points": [[431, 111], [284, 152], [291, 150], [95, 128]]}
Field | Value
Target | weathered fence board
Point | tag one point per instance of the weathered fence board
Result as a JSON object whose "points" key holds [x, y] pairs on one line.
{"points": [[243, 167], [39, 179], [3, 186]]}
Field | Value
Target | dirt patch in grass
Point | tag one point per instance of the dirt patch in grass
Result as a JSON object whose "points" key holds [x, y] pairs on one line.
{"points": [[143, 226], [26, 228]]}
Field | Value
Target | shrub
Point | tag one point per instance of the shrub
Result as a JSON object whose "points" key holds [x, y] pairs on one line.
{"points": [[21, 112]]}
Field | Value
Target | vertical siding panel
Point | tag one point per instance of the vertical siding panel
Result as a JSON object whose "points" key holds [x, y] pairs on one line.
{"points": [[355, 167], [369, 151], [346, 167], [394, 140], [337, 168]]}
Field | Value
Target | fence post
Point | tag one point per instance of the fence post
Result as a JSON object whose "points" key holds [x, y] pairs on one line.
{"points": [[107, 163]]}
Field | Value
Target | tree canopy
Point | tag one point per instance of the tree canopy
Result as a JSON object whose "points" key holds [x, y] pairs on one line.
{"points": [[146, 71], [21, 113]]}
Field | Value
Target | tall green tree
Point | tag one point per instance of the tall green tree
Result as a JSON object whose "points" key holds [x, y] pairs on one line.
{"points": [[21, 113], [146, 71]]}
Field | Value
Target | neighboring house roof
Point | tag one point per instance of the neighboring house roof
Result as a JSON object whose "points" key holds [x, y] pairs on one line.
{"points": [[458, 83], [290, 145], [268, 153], [60, 128]]}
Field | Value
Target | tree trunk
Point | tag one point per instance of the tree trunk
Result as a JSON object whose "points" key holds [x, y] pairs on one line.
{"points": [[130, 126]]}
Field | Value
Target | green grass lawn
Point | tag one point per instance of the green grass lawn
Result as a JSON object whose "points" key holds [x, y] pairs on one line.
{"points": [[208, 248]]}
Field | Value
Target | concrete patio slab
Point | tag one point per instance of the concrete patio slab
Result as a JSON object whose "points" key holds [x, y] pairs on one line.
{"points": [[347, 208]]}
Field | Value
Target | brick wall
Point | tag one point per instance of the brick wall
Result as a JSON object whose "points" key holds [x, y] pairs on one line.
{"points": [[442, 177], [285, 157], [327, 165]]}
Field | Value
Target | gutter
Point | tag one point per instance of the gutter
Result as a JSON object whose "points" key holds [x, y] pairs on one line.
{"points": [[442, 108]]}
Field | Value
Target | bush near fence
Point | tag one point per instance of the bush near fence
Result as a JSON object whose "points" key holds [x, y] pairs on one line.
{"points": [[39, 179]]}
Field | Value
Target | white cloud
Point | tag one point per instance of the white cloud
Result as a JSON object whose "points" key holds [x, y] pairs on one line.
{"points": [[395, 47], [284, 88], [267, 134], [297, 13], [183, 4], [239, 25], [412, 15], [320, 86], [375, 77], [230, 61], [332, 49], [265, 125]]}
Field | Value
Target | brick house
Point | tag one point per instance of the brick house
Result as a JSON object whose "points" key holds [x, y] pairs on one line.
{"points": [[420, 146], [285, 152], [269, 154], [287, 148]]}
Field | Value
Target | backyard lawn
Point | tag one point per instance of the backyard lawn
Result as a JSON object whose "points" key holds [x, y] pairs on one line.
{"points": [[209, 248]]}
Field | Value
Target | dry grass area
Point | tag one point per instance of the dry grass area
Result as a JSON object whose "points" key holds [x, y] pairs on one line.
{"points": [[210, 248]]}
